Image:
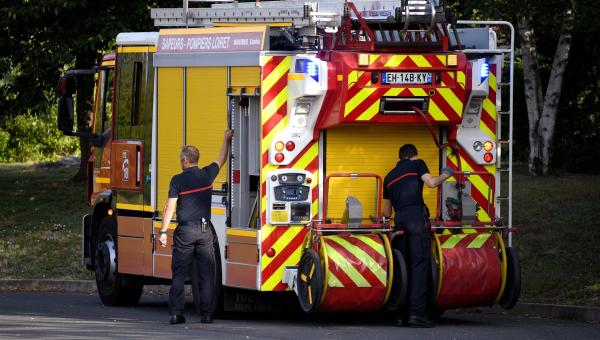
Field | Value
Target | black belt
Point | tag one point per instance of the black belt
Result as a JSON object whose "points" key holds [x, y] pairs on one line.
{"points": [[196, 224]]}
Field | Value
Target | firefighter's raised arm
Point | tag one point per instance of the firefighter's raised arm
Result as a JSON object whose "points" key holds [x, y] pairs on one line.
{"points": [[434, 181], [227, 136]]}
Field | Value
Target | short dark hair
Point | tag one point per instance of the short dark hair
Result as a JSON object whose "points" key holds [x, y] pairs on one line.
{"points": [[407, 151], [191, 153]]}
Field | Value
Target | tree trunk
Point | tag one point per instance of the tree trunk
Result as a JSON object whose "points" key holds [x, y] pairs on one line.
{"points": [[542, 110], [83, 108], [552, 98]]}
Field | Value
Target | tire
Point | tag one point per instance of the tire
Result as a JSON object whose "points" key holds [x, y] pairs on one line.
{"points": [[399, 291], [434, 312], [114, 289], [217, 307], [512, 290], [310, 281]]}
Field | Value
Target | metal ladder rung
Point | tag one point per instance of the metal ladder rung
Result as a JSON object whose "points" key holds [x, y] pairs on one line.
{"points": [[504, 112], [503, 169], [502, 84], [504, 141], [502, 198]]}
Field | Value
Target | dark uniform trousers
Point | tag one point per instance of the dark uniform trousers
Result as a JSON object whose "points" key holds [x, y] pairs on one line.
{"points": [[190, 241], [415, 246]]}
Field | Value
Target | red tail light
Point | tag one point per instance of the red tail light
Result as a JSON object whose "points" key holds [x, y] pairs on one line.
{"points": [[488, 157]]}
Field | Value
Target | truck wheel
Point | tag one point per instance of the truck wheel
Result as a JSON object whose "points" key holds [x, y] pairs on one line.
{"points": [[310, 281], [399, 284], [217, 307], [512, 290], [114, 289]]}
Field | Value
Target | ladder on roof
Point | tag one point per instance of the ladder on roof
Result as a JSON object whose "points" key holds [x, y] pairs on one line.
{"points": [[389, 24]]}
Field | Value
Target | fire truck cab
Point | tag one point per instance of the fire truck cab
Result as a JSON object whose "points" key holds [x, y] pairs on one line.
{"points": [[321, 96]]}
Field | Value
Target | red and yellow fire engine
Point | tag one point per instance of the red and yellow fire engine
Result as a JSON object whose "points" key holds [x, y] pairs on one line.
{"points": [[321, 95]]}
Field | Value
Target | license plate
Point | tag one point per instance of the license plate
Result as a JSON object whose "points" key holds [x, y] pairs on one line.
{"points": [[395, 78]]}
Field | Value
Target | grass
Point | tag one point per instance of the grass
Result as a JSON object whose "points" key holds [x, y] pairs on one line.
{"points": [[40, 223], [558, 240], [559, 237]]}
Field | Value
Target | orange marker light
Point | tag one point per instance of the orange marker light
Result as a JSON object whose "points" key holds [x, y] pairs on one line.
{"points": [[488, 146], [488, 157], [279, 157], [279, 146]]}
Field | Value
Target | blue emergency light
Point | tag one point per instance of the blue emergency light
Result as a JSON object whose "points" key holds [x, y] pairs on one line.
{"points": [[308, 67], [484, 72]]}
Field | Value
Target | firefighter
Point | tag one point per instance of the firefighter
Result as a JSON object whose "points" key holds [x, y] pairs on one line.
{"points": [[403, 190], [190, 191]]}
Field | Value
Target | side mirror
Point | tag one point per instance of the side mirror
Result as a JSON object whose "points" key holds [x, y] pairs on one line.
{"points": [[66, 107], [66, 114]]}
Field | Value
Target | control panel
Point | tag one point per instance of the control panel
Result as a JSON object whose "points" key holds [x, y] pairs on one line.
{"points": [[289, 200]]}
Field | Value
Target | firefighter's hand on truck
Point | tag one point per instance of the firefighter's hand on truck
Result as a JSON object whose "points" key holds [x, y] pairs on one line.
{"points": [[163, 240], [228, 135], [448, 171]]}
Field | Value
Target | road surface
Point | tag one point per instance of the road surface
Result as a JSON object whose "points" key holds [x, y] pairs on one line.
{"points": [[73, 316]]}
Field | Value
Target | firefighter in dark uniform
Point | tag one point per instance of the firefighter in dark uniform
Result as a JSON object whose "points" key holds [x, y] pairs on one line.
{"points": [[403, 190], [191, 193]]}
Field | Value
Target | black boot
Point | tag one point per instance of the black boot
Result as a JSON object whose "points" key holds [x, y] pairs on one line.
{"points": [[175, 319], [419, 322]]}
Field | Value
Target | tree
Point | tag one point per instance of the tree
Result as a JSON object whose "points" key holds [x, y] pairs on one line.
{"points": [[542, 108], [40, 39]]}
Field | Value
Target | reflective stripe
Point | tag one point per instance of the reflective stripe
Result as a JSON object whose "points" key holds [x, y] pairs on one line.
{"points": [[401, 177], [195, 190], [479, 240], [453, 241]]}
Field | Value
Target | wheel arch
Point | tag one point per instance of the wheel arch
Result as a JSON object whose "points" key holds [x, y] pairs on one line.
{"points": [[100, 210]]}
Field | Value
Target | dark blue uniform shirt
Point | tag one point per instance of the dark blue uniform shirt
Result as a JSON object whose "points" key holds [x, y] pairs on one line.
{"points": [[193, 188], [403, 184]]}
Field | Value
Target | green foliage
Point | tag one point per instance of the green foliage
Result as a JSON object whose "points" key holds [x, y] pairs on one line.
{"points": [[33, 138]]}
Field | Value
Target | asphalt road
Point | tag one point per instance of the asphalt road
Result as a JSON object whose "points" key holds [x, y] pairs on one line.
{"points": [[72, 316]]}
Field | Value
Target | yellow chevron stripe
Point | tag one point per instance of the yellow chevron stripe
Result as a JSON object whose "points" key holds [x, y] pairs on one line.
{"points": [[378, 247], [357, 99], [479, 240], [373, 58], [277, 73], [442, 58], [394, 61], [370, 262], [452, 99], [436, 112], [333, 281], [276, 130], [492, 81], [348, 268], [485, 129], [280, 244], [274, 105], [468, 231], [370, 112], [489, 107], [420, 61], [394, 92], [452, 241], [265, 59], [278, 274], [461, 79]]}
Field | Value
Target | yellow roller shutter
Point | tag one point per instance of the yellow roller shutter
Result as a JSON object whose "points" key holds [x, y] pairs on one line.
{"points": [[170, 129], [372, 149], [206, 113]]}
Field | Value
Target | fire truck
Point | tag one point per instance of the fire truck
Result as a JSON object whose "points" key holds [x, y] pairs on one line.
{"points": [[321, 95]]}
